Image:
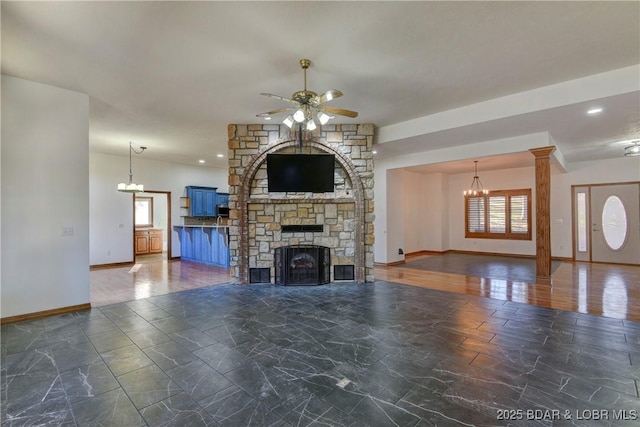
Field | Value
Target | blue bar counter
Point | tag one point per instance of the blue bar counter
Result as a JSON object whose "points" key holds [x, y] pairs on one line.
{"points": [[208, 244]]}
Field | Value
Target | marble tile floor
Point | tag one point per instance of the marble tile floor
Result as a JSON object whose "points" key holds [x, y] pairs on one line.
{"points": [[382, 354]]}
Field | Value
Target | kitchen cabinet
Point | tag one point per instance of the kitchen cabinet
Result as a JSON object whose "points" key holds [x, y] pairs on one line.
{"points": [[222, 208], [202, 201], [148, 241], [223, 199]]}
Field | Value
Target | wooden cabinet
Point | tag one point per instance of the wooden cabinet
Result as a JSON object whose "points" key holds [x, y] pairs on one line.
{"points": [[202, 201], [148, 241], [155, 241]]}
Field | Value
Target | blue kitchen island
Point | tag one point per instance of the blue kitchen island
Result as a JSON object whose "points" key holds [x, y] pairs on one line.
{"points": [[208, 244]]}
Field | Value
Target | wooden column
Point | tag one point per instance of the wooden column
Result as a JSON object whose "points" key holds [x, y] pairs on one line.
{"points": [[543, 214]]}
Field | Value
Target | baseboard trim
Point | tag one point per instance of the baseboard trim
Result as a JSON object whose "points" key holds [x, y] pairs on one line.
{"points": [[421, 253], [114, 265], [391, 264], [456, 251], [45, 313]]}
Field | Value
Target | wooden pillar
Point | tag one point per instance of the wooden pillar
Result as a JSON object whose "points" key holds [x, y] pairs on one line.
{"points": [[543, 214]]}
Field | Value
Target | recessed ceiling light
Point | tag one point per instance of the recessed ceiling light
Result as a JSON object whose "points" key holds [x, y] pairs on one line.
{"points": [[595, 110], [220, 155], [267, 118], [374, 152], [201, 161]]}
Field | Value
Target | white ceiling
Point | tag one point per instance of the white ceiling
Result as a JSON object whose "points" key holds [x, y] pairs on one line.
{"points": [[172, 75]]}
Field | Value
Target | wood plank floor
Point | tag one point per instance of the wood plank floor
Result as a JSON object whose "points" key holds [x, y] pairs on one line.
{"points": [[150, 278], [601, 289]]}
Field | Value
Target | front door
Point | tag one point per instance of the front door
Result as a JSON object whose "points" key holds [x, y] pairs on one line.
{"points": [[615, 223]]}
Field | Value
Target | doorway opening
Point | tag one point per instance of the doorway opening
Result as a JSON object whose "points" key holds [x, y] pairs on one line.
{"points": [[606, 223], [152, 226]]}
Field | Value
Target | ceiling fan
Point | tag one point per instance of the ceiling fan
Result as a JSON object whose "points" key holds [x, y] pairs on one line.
{"points": [[308, 105]]}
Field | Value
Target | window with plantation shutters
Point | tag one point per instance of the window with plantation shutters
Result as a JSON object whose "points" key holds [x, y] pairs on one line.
{"points": [[475, 214], [504, 214]]}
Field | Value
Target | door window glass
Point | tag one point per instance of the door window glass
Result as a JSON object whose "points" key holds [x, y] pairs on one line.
{"points": [[614, 223], [582, 222]]}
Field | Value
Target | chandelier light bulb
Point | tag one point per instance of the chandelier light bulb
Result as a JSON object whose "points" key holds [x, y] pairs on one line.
{"points": [[288, 121], [298, 116], [311, 125], [324, 118]]}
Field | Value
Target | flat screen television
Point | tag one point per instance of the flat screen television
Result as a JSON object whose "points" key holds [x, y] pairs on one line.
{"points": [[300, 172]]}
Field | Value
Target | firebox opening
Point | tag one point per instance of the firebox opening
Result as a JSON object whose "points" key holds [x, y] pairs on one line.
{"points": [[302, 265]]}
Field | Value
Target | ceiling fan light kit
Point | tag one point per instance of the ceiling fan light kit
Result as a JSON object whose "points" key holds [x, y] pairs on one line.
{"points": [[309, 106]]}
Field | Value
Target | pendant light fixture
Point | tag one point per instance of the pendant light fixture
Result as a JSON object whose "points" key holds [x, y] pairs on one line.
{"points": [[131, 187], [476, 188]]}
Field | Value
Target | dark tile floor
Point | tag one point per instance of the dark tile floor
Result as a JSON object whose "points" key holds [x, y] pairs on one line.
{"points": [[338, 355]]}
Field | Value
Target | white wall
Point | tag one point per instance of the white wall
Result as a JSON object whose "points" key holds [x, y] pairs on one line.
{"points": [[393, 229], [111, 212], [424, 202], [45, 190]]}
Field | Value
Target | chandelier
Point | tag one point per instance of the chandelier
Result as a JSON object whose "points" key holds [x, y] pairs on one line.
{"points": [[476, 188], [131, 187]]}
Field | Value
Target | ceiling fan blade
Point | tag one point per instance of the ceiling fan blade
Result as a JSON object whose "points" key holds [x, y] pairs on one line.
{"points": [[340, 111], [269, 113], [282, 98], [328, 96]]}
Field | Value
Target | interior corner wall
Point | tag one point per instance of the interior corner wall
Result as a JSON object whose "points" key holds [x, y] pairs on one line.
{"points": [[111, 212], [380, 210], [45, 197], [444, 214], [422, 206], [394, 227]]}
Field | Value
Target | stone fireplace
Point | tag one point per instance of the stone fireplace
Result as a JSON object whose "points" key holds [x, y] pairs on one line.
{"points": [[340, 221]]}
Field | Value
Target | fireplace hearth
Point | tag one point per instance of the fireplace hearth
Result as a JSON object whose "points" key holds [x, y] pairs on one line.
{"points": [[302, 265]]}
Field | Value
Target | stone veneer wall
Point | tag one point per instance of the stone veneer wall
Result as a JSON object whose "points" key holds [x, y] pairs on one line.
{"points": [[256, 216]]}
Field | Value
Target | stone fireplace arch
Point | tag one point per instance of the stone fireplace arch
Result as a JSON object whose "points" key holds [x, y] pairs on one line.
{"points": [[244, 198]]}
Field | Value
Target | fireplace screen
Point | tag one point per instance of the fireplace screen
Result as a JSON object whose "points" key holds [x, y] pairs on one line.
{"points": [[302, 265]]}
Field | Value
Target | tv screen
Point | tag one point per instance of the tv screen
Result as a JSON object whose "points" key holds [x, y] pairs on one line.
{"points": [[300, 172]]}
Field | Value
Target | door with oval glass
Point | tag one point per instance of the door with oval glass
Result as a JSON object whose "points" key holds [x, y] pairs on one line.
{"points": [[614, 223]]}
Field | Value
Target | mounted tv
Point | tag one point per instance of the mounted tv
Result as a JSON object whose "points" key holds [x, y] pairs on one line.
{"points": [[300, 172]]}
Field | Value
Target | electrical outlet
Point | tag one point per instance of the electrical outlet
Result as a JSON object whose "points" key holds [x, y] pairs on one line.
{"points": [[67, 231]]}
